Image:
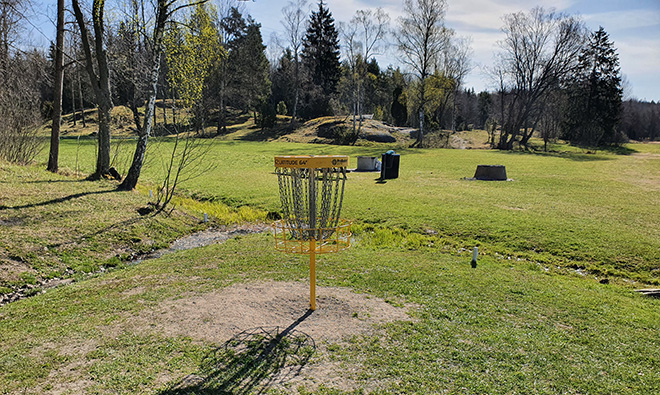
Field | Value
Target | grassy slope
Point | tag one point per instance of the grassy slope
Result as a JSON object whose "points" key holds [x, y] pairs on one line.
{"points": [[502, 328], [593, 211], [54, 226]]}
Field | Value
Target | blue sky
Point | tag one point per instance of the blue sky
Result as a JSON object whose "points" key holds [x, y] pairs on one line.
{"points": [[633, 26]]}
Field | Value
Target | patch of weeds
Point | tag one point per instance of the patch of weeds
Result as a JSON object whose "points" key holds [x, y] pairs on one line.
{"points": [[79, 262], [28, 278], [49, 275], [32, 291], [113, 262]]}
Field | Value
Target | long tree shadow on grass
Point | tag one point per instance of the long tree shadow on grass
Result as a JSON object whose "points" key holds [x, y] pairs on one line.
{"points": [[250, 362], [57, 200], [574, 156], [69, 181]]}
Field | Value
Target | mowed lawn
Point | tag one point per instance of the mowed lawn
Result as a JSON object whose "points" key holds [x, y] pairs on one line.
{"points": [[598, 213], [532, 318]]}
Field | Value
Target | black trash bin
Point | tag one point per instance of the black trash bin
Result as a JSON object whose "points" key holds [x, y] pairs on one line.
{"points": [[390, 166]]}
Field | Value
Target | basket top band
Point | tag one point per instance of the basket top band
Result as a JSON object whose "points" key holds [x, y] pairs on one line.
{"points": [[311, 161]]}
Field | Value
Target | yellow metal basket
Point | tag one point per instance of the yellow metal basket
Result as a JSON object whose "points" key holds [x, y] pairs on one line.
{"points": [[312, 192]]}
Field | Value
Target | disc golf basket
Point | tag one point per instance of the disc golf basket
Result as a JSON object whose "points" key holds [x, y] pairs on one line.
{"points": [[311, 192]]}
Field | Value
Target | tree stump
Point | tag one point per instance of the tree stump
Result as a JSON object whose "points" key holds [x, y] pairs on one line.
{"points": [[490, 173]]}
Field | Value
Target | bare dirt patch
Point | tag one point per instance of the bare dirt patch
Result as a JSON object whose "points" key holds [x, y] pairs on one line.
{"points": [[70, 377], [219, 316], [268, 335]]}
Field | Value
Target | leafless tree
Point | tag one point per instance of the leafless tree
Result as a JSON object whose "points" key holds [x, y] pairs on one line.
{"points": [[540, 49], [295, 26], [422, 39], [12, 14], [20, 76], [20, 107], [456, 65], [184, 162], [363, 37], [53, 155], [96, 63]]}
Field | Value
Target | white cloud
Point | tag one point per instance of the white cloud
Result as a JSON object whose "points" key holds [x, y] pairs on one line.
{"points": [[626, 19], [487, 14]]}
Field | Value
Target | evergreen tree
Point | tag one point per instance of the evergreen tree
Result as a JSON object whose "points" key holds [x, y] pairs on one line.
{"points": [[321, 57], [484, 103], [233, 27], [284, 81], [399, 110], [247, 67], [594, 107]]}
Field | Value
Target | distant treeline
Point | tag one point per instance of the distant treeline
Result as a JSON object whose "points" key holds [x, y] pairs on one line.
{"points": [[555, 78]]}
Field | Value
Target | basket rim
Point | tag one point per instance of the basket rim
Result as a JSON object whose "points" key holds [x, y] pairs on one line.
{"points": [[311, 161]]}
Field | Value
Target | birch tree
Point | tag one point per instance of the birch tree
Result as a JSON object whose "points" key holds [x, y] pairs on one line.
{"points": [[294, 23], [422, 37], [363, 37], [164, 10]]}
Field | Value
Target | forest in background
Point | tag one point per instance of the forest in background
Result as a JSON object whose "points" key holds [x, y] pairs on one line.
{"points": [[557, 80]]}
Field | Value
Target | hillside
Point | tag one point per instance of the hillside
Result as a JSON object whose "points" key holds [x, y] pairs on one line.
{"points": [[324, 130]]}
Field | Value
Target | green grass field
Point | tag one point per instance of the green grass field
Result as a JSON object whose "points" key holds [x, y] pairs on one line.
{"points": [[593, 212], [533, 318]]}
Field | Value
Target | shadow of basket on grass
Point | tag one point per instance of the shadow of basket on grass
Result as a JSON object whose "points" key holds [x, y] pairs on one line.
{"points": [[250, 362]]}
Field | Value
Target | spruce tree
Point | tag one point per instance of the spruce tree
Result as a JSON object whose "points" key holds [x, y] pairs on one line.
{"points": [[594, 107], [321, 58], [248, 69]]}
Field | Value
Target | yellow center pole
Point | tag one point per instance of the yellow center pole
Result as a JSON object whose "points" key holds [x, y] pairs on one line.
{"points": [[312, 274]]}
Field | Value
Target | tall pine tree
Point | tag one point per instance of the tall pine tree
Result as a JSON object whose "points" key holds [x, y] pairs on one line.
{"points": [[594, 106], [248, 69], [321, 58]]}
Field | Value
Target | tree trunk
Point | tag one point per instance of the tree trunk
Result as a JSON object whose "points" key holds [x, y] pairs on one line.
{"points": [[422, 102], [294, 113], [420, 134], [53, 156], [141, 148], [73, 102], [100, 83], [173, 110], [136, 116], [354, 113], [82, 103], [103, 158], [164, 113], [222, 120], [453, 111]]}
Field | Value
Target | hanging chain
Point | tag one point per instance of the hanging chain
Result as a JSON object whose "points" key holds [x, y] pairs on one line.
{"points": [[300, 193]]}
